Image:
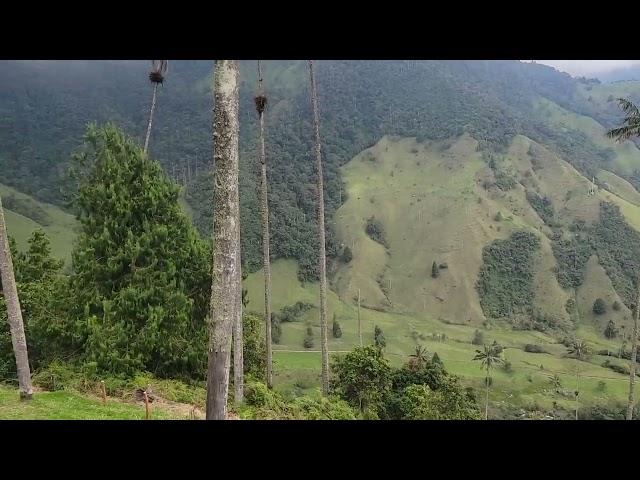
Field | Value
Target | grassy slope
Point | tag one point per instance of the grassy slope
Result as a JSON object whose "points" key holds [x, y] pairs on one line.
{"points": [[61, 228], [63, 405]]}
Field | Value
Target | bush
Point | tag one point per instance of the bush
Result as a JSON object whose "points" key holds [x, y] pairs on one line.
{"points": [[611, 330], [616, 305], [478, 338], [599, 307], [532, 348], [505, 281], [362, 377], [337, 331], [435, 272], [347, 255], [308, 340], [276, 328], [375, 231], [378, 338]]}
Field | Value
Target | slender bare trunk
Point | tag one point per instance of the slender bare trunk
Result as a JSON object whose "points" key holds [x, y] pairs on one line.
{"points": [[153, 107], [264, 210], [359, 322], [577, 390], [14, 314], [225, 287], [486, 397], [634, 351], [322, 257], [238, 343]]}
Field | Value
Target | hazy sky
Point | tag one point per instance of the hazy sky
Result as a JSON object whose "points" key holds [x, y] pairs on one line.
{"points": [[589, 67]]}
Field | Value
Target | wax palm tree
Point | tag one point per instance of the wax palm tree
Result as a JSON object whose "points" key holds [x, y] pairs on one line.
{"points": [[14, 314], [489, 357], [261, 103], [580, 351], [630, 128], [226, 287], [322, 256], [418, 358], [158, 72]]}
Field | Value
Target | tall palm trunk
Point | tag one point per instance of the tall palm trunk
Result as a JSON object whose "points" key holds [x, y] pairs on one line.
{"points": [[14, 314], [322, 257], [264, 210], [153, 107], [359, 322], [238, 343], [577, 389], [634, 351], [225, 288], [486, 396]]}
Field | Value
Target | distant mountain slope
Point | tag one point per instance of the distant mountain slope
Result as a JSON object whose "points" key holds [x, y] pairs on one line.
{"points": [[44, 107]]}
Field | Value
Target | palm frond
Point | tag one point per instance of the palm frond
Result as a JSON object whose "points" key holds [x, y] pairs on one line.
{"points": [[631, 123], [628, 107]]}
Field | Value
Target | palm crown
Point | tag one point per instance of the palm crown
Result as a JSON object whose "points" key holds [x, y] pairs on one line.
{"points": [[631, 124]]}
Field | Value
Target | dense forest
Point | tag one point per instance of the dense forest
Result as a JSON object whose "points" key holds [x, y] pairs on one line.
{"points": [[46, 105]]}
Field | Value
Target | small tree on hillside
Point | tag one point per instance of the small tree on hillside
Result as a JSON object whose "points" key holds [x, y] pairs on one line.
{"points": [[337, 331], [378, 338], [347, 255], [435, 271], [599, 307], [478, 338], [611, 330]]}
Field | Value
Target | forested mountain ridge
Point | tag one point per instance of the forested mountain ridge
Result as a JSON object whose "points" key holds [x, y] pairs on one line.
{"points": [[45, 106]]}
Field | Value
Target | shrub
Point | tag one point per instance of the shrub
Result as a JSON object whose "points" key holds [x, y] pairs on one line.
{"points": [[478, 338], [362, 377], [308, 340], [378, 338], [347, 255], [611, 330], [532, 348], [337, 331], [435, 271], [375, 231], [599, 307]]}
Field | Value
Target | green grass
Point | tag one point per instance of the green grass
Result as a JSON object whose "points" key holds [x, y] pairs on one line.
{"points": [[61, 228], [65, 405]]}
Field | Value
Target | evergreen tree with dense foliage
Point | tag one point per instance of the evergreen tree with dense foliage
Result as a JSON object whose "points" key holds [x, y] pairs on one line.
{"points": [[45, 300], [435, 271], [362, 377], [140, 279], [599, 307]]}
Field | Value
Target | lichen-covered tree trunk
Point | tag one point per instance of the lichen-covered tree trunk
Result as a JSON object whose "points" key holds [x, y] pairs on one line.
{"points": [[238, 343], [153, 107], [634, 352], [264, 211], [14, 314], [225, 288], [322, 256]]}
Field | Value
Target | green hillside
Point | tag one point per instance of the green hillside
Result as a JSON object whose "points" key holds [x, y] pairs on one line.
{"points": [[24, 215]]}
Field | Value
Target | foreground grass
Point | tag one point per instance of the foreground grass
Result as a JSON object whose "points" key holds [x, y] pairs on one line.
{"points": [[66, 405]]}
